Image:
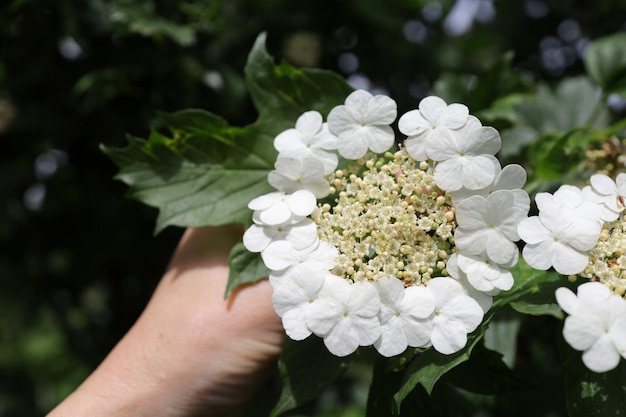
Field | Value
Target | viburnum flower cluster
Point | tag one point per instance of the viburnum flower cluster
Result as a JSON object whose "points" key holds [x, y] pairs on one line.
{"points": [[581, 232], [401, 246]]}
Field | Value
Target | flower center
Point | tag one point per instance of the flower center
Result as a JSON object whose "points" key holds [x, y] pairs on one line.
{"points": [[388, 219], [607, 260]]}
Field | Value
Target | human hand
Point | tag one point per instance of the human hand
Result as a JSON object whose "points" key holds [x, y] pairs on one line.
{"points": [[191, 352]]}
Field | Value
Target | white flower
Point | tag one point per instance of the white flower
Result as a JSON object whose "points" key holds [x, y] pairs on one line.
{"points": [[433, 113], [400, 312], [489, 225], [483, 298], [292, 297], [511, 177], [610, 194], [281, 255], [279, 208], [465, 158], [345, 315], [362, 124], [558, 237], [292, 174], [456, 314], [573, 197], [310, 138], [485, 275], [596, 324], [300, 235]]}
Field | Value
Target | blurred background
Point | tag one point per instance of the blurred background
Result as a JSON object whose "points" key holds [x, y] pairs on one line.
{"points": [[78, 260]]}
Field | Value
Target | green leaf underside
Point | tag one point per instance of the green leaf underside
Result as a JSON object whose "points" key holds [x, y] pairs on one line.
{"points": [[245, 268], [306, 369]]}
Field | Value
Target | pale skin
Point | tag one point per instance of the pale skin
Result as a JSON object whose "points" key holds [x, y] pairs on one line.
{"points": [[191, 352]]}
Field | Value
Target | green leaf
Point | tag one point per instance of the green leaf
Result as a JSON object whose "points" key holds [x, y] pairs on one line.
{"points": [[306, 369], [592, 394], [430, 366], [205, 172], [486, 373], [196, 180], [572, 104], [282, 93], [245, 268], [530, 285], [141, 18], [501, 335], [605, 61]]}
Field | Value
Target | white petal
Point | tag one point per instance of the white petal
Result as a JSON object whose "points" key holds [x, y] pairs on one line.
{"points": [[485, 140], [294, 324], [511, 177], [478, 171], [379, 138], [431, 107], [539, 255], [309, 123], [413, 123], [392, 340], [301, 202], [568, 261], [603, 184], [352, 145], [418, 302], [448, 337], [454, 116], [255, 239], [532, 230], [449, 175], [382, 110], [342, 340], [302, 234], [602, 356], [416, 147], [444, 144], [567, 300]]}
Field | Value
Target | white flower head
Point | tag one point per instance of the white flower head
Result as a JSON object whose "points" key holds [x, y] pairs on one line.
{"points": [[310, 138], [596, 324], [362, 123], [558, 237], [400, 312], [363, 267], [280, 208], [345, 315]]}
